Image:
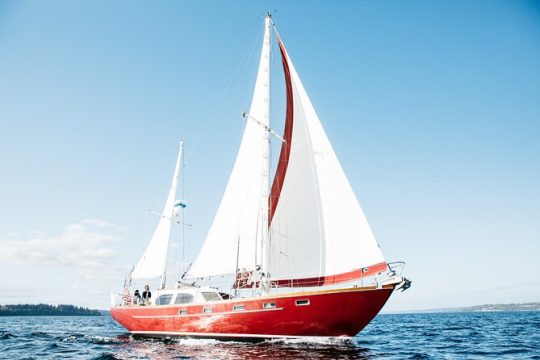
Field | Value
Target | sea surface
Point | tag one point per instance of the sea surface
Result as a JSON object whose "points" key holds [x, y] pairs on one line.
{"points": [[473, 335]]}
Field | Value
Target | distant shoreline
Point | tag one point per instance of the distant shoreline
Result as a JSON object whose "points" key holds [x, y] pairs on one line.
{"points": [[46, 310], [532, 306]]}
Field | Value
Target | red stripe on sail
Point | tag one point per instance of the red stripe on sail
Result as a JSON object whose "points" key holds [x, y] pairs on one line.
{"points": [[285, 152], [332, 279]]}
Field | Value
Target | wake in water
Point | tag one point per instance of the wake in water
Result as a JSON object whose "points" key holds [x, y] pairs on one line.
{"points": [[313, 340]]}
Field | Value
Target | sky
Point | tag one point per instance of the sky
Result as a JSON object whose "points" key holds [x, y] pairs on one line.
{"points": [[433, 109]]}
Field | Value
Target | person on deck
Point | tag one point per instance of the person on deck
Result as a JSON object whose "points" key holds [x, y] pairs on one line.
{"points": [[137, 297], [146, 295]]}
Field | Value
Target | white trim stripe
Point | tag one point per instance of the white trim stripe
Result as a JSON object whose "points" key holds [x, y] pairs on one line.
{"points": [[202, 314]]}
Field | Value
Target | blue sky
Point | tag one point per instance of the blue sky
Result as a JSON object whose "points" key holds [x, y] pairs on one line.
{"points": [[432, 107]]}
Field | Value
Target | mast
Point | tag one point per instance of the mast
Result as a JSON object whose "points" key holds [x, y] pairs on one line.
{"points": [[265, 191]]}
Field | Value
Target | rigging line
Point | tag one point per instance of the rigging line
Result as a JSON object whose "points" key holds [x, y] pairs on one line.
{"points": [[164, 188], [206, 124], [178, 264], [237, 269], [183, 213], [187, 242]]}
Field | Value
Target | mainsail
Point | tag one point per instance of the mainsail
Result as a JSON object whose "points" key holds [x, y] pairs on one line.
{"points": [[238, 234], [153, 262]]}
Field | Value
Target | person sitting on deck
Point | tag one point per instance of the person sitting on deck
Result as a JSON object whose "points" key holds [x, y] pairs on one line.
{"points": [[137, 297], [146, 295]]}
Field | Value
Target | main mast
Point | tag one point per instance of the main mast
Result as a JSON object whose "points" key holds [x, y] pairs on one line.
{"points": [[265, 193]]}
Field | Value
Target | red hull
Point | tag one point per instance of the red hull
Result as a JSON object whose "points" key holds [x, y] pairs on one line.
{"points": [[341, 312]]}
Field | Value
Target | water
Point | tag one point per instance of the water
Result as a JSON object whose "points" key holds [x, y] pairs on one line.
{"points": [[510, 335]]}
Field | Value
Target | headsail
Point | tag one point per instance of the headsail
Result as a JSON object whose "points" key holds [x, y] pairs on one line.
{"points": [[319, 234], [153, 262], [240, 227]]}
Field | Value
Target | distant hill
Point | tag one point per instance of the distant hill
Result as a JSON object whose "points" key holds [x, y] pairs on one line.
{"points": [[46, 310], [532, 306]]}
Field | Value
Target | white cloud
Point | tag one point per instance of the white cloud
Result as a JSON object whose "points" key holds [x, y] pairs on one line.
{"points": [[87, 245]]}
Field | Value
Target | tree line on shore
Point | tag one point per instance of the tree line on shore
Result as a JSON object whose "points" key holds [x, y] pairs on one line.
{"points": [[45, 309]]}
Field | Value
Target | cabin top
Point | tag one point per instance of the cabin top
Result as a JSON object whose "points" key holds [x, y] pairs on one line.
{"points": [[187, 295]]}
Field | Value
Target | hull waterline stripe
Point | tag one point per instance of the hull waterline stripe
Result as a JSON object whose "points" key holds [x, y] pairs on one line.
{"points": [[228, 335]]}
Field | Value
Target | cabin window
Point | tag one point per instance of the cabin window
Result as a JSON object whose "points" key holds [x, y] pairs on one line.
{"points": [[239, 307], [207, 310], [226, 296], [269, 305], [183, 299], [182, 312], [302, 302], [211, 296], [164, 299]]}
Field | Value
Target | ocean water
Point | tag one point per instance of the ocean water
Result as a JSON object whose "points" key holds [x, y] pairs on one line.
{"points": [[501, 335]]}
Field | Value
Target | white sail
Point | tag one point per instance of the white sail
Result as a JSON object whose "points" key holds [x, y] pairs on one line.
{"points": [[318, 229], [238, 233], [153, 262]]}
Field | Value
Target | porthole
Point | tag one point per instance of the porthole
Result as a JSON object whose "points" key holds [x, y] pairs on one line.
{"points": [[302, 302], [269, 305], [239, 307]]}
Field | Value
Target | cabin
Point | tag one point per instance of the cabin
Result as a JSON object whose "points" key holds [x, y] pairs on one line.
{"points": [[185, 295]]}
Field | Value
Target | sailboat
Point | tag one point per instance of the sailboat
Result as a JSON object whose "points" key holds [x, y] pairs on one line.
{"points": [[289, 257]]}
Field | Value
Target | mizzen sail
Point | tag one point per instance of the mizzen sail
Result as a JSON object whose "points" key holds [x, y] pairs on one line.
{"points": [[153, 262]]}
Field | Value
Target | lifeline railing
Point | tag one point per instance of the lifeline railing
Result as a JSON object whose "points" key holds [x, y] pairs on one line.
{"points": [[394, 270]]}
